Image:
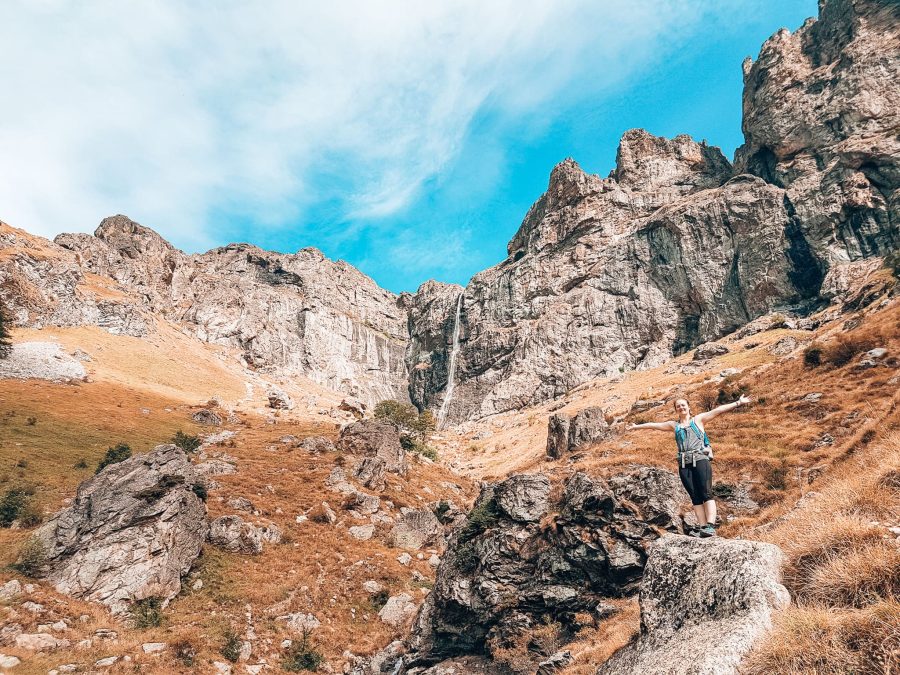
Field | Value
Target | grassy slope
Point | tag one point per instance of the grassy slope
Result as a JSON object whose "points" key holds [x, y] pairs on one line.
{"points": [[318, 568]]}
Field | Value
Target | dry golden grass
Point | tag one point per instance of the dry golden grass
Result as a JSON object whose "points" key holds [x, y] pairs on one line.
{"points": [[318, 568], [815, 640], [843, 570], [594, 646]]}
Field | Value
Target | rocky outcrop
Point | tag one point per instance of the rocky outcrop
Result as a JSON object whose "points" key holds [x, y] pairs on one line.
{"points": [[415, 528], [131, 533], [374, 438], [291, 313], [235, 535], [506, 569], [42, 284], [566, 434], [820, 120], [704, 602]]}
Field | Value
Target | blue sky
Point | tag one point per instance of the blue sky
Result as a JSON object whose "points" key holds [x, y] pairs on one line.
{"points": [[407, 138]]}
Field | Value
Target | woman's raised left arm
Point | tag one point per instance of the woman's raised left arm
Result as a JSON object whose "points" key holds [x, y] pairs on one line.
{"points": [[728, 407]]}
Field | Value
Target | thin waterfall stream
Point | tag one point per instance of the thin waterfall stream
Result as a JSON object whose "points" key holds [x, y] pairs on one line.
{"points": [[451, 371]]}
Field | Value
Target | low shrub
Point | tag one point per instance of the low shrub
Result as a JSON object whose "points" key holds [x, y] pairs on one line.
{"points": [[118, 453], [14, 504], [200, 490], [302, 655], [230, 645], [846, 347], [186, 442], [184, 652], [32, 557], [480, 518], [379, 599], [80, 464], [813, 355], [147, 613]]}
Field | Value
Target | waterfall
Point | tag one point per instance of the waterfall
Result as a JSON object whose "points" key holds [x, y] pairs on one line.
{"points": [[451, 371]]}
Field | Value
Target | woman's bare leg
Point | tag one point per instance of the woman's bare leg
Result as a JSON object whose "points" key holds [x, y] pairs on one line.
{"points": [[710, 511], [700, 511]]}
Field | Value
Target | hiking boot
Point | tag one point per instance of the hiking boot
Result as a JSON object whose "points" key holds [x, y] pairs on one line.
{"points": [[694, 533], [707, 531]]}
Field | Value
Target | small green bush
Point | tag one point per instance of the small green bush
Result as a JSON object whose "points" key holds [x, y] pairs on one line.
{"points": [[31, 421], [119, 453], [302, 655], [32, 557], [777, 476], [80, 464], [412, 445], [479, 519], [379, 599], [466, 557], [200, 490], [230, 646], [892, 262], [812, 355], [185, 442], [14, 504], [147, 613]]}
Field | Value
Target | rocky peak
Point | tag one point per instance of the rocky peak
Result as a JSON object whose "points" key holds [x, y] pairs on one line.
{"points": [[646, 162], [131, 239], [821, 119]]}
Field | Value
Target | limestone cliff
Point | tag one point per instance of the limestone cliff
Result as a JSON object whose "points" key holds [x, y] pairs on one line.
{"points": [[676, 246]]}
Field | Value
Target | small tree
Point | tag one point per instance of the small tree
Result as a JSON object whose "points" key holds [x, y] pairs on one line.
{"points": [[114, 455], [413, 425], [410, 421], [5, 337]]}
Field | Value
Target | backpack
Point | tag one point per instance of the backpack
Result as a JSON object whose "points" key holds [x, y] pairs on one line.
{"points": [[685, 455]]}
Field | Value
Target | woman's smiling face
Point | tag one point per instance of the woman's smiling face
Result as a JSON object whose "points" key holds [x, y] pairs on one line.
{"points": [[682, 407]]}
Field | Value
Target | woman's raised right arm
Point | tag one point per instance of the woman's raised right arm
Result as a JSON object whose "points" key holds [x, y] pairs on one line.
{"points": [[655, 426]]}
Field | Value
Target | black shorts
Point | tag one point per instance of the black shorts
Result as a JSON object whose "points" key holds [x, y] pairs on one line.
{"points": [[697, 480]]}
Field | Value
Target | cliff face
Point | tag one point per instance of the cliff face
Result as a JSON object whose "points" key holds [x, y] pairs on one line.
{"points": [[676, 247], [821, 120], [293, 314]]}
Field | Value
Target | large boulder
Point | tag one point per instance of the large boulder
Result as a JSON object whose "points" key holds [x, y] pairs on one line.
{"points": [[374, 438], [131, 533], [704, 603], [524, 498], [415, 528], [234, 534], [508, 567], [566, 434]]}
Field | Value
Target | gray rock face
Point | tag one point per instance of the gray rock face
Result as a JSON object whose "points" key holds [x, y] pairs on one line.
{"points": [[523, 498], [503, 572], [821, 119], [374, 438], [588, 426], [43, 284], [415, 528], [603, 277], [566, 434], [297, 314], [133, 530], [370, 472], [703, 605]]}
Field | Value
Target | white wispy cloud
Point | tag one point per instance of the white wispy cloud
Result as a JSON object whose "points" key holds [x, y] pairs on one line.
{"points": [[172, 112]]}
